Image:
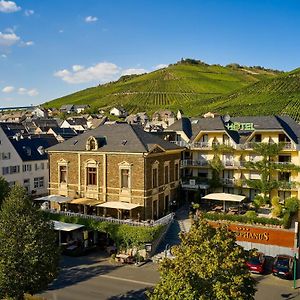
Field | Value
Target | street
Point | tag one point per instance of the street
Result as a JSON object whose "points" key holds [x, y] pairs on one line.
{"points": [[95, 277]]}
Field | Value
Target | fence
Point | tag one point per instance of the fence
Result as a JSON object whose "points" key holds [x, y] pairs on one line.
{"points": [[162, 221]]}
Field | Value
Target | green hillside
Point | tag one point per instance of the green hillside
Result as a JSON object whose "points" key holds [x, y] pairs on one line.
{"points": [[280, 95], [188, 85]]}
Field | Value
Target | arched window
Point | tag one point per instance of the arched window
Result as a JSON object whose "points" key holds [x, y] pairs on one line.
{"points": [[91, 144]]}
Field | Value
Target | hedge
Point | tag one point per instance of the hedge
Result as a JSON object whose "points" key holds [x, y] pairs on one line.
{"points": [[122, 234], [242, 219]]}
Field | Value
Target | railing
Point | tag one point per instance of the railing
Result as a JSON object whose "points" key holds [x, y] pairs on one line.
{"points": [[200, 145], [228, 181], [180, 143], [251, 145], [162, 221], [191, 162]]}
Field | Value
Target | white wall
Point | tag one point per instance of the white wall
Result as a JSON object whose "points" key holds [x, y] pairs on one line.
{"points": [[15, 160]]}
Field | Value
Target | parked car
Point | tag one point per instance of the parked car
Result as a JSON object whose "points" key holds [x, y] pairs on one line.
{"points": [[257, 263], [283, 266]]}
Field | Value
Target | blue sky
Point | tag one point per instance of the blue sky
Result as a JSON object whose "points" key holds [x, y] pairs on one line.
{"points": [[52, 48]]}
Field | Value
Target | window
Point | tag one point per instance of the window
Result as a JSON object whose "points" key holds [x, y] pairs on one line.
{"points": [[284, 158], [5, 170], [42, 166], [284, 176], [91, 176], [62, 174], [124, 178], [176, 171], [38, 182], [5, 155], [14, 169], [154, 178], [27, 168], [91, 144], [284, 194], [166, 174]]}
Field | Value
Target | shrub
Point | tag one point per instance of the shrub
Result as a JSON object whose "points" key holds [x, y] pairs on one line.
{"points": [[259, 201], [291, 204], [242, 218], [275, 201], [251, 215], [277, 211], [287, 220]]}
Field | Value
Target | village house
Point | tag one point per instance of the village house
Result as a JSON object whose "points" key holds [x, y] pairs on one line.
{"points": [[23, 158], [116, 170]]}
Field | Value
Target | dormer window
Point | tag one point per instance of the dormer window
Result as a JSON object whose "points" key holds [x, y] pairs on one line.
{"points": [[91, 144]]}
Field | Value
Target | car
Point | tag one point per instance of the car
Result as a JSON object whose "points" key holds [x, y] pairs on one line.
{"points": [[256, 263], [283, 266]]}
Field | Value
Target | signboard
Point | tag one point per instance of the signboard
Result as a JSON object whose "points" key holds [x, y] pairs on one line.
{"points": [[261, 235], [236, 126]]}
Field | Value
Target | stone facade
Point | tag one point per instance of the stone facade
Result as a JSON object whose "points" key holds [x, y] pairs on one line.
{"points": [[154, 201]]}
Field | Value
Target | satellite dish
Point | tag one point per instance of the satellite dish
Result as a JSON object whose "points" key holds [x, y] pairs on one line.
{"points": [[226, 118]]}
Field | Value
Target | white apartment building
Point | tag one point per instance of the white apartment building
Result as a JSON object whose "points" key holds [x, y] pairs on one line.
{"points": [[23, 159]]}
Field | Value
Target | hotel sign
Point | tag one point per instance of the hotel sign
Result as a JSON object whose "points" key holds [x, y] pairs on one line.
{"points": [[261, 234], [236, 126]]}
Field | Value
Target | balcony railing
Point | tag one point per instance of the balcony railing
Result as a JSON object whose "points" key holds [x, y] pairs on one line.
{"points": [[180, 143], [194, 184], [251, 145], [228, 181], [162, 221], [194, 163]]}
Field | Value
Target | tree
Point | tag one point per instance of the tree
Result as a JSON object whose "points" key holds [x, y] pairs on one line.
{"points": [[4, 189], [266, 167], [208, 264], [29, 252]]}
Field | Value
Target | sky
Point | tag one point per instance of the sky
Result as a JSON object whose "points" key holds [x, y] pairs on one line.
{"points": [[52, 48]]}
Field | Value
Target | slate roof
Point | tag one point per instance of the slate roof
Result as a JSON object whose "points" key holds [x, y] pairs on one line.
{"points": [[27, 147], [11, 129], [65, 133], [285, 123], [118, 137]]}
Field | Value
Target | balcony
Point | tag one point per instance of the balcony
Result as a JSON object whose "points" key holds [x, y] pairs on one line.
{"points": [[180, 143], [228, 181], [194, 163], [194, 184], [231, 163], [250, 145], [201, 145]]}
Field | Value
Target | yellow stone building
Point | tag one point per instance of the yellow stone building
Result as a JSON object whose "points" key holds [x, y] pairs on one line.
{"points": [[237, 137]]}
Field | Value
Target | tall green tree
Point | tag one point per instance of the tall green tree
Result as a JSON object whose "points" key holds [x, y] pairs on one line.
{"points": [[267, 167], [208, 264], [4, 189], [29, 252]]}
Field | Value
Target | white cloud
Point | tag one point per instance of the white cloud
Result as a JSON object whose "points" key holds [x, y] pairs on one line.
{"points": [[28, 92], [3, 56], [8, 39], [28, 12], [8, 89], [102, 72], [32, 92], [91, 19], [60, 31], [132, 71], [160, 66], [77, 68], [26, 44], [9, 7]]}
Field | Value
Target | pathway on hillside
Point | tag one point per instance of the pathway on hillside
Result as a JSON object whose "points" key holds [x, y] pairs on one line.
{"points": [[180, 223]]}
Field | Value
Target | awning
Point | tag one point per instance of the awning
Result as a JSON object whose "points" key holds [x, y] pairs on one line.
{"points": [[224, 197], [61, 226], [85, 201], [119, 205], [54, 198]]}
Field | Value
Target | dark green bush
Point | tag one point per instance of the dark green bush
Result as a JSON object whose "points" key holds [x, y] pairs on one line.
{"points": [[287, 220], [242, 219], [291, 204]]}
